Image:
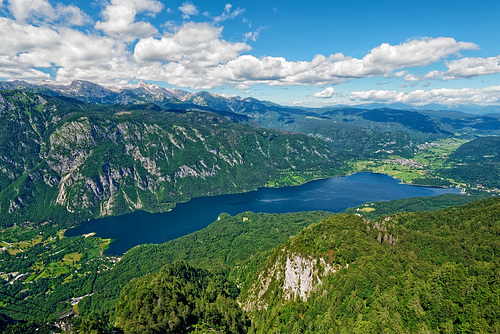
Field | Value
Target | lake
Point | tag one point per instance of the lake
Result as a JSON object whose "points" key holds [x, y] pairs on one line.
{"points": [[334, 194]]}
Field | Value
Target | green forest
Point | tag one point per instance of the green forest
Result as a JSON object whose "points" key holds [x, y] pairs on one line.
{"points": [[404, 272], [414, 265]]}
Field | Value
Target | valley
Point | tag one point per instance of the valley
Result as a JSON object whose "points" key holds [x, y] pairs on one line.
{"points": [[70, 154]]}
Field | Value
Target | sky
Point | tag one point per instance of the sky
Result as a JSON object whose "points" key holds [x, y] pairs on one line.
{"points": [[300, 53]]}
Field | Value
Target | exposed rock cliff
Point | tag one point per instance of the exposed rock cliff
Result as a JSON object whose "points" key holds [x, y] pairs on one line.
{"points": [[91, 161], [300, 268], [292, 276]]}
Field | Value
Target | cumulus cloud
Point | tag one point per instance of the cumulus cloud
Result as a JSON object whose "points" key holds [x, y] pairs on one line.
{"points": [[196, 44], [26, 48], [18, 38], [472, 67], [418, 52], [444, 96], [212, 68], [72, 15], [242, 87], [24, 9], [188, 10], [326, 93], [337, 68], [400, 74], [119, 18], [463, 68], [41, 11]]}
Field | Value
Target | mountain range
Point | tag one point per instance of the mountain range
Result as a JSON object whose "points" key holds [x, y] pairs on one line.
{"points": [[143, 91], [64, 160], [75, 151], [360, 129]]}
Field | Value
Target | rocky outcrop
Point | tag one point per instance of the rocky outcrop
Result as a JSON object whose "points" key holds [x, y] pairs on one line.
{"points": [[302, 275], [289, 277]]}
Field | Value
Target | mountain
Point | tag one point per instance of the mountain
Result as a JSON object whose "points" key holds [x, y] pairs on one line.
{"points": [[366, 130], [406, 272], [476, 163], [65, 160], [401, 273]]}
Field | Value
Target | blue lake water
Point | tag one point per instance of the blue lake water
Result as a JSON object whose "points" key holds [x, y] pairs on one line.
{"points": [[335, 195]]}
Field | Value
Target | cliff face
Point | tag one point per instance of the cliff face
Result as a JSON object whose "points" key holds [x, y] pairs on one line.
{"points": [[91, 161], [298, 269], [287, 276]]}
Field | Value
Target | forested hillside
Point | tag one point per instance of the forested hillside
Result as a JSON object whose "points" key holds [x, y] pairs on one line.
{"points": [[407, 272], [476, 163], [377, 269], [65, 160], [403, 273]]}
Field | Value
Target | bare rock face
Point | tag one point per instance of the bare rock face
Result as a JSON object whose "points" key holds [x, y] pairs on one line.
{"points": [[302, 275], [291, 276], [70, 146]]}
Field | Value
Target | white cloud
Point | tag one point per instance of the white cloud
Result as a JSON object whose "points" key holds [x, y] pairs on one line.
{"points": [[26, 47], [429, 76], [196, 44], [472, 67], [22, 74], [326, 93], [188, 10], [418, 52], [463, 68], [337, 68], [72, 15], [119, 18], [444, 96], [412, 77], [242, 87], [229, 14], [400, 74], [41, 11], [23, 9], [18, 38], [253, 35]]}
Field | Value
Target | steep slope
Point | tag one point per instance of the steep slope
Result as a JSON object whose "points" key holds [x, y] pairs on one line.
{"points": [[68, 160], [403, 273], [476, 163], [180, 299], [370, 133]]}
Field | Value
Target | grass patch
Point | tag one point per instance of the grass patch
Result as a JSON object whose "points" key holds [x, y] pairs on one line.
{"points": [[367, 209], [392, 168], [67, 279], [54, 270], [14, 251], [71, 259]]}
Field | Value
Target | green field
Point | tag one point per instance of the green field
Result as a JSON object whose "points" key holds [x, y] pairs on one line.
{"points": [[431, 158]]}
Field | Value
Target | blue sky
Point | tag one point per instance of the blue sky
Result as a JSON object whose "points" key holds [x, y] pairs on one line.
{"points": [[290, 52]]}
